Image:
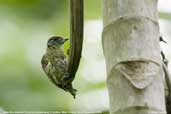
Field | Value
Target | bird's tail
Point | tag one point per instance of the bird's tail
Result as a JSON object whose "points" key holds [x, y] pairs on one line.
{"points": [[67, 84]]}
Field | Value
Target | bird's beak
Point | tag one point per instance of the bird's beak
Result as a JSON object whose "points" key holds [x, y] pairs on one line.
{"points": [[66, 39], [63, 41]]}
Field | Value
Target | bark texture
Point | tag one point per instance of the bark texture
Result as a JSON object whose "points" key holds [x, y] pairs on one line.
{"points": [[131, 47]]}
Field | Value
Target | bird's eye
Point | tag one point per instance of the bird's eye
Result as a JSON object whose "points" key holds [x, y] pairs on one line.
{"points": [[55, 40]]}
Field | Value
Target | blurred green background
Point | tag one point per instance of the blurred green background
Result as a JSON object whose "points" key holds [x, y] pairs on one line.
{"points": [[25, 26]]}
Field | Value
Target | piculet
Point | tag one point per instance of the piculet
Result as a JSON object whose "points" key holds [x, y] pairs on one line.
{"points": [[55, 63]]}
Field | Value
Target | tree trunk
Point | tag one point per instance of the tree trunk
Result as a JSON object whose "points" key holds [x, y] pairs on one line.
{"points": [[131, 47]]}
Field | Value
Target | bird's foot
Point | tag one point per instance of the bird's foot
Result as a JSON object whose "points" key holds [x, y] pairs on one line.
{"points": [[72, 91], [65, 79]]}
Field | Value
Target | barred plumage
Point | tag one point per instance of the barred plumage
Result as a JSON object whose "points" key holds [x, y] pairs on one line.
{"points": [[55, 64]]}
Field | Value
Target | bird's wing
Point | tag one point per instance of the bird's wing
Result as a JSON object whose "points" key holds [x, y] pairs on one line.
{"points": [[49, 69], [44, 61]]}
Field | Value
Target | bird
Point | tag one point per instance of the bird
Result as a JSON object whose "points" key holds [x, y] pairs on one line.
{"points": [[55, 63]]}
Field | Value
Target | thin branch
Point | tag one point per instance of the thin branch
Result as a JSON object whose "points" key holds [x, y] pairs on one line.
{"points": [[76, 36]]}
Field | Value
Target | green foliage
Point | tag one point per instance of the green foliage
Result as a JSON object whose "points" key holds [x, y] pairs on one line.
{"points": [[93, 9], [36, 9], [165, 16], [25, 27]]}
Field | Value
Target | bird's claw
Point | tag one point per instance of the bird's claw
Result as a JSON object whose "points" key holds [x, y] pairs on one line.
{"points": [[66, 82], [73, 92]]}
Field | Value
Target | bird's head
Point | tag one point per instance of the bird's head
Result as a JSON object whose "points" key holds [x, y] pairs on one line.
{"points": [[56, 41]]}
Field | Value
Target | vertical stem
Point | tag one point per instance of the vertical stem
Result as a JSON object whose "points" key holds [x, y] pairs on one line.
{"points": [[76, 35]]}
